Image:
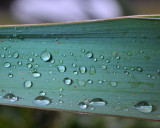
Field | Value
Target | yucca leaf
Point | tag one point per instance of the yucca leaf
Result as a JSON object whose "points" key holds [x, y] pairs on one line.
{"points": [[109, 67]]}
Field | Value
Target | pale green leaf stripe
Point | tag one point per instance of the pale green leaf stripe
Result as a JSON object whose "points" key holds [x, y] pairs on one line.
{"points": [[128, 47]]}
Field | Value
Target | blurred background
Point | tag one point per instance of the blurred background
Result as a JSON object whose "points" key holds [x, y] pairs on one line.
{"points": [[49, 11]]}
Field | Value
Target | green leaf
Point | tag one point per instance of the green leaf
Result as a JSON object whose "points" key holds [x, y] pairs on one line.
{"points": [[109, 67]]}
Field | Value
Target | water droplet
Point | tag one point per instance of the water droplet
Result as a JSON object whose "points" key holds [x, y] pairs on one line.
{"points": [[82, 83], [117, 57], [100, 82], [103, 67], [102, 57], [117, 66], [126, 72], [19, 63], [67, 81], [92, 108], [89, 54], [90, 81], [82, 105], [31, 59], [42, 93], [42, 100], [113, 84], [153, 77], [95, 59], [15, 54], [60, 95], [7, 65], [92, 70], [132, 68], [50, 72], [9, 55], [53, 78], [148, 75], [139, 69], [75, 72], [2, 55], [98, 102], [10, 75], [10, 97], [4, 48], [74, 65], [28, 84], [60, 89], [61, 68], [36, 74], [29, 65], [60, 101], [46, 56], [52, 61], [82, 50], [82, 69], [60, 61], [107, 60], [144, 107]]}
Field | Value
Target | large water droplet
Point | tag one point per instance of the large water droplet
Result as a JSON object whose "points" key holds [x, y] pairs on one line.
{"points": [[42, 100], [82, 69], [89, 54], [61, 68], [98, 102], [144, 107], [36, 74], [67, 81], [28, 84], [7, 65], [46, 56], [10, 97], [82, 105], [15, 54]]}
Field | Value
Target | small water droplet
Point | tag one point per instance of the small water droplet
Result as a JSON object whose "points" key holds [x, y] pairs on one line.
{"points": [[52, 61], [67, 81], [19, 63], [113, 83], [36, 74], [102, 57], [100, 82], [89, 54], [60, 89], [92, 108], [98, 102], [148, 75], [117, 58], [92, 70], [28, 84], [60, 101], [82, 69], [132, 68], [60, 95], [107, 60], [139, 69], [42, 93], [50, 72], [10, 75], [90, 81], [31, 59], [46, 56], [29, 65], [42, 100], [53, 78], [15, 54], [82, 105], [2, 55], [60, 61], [144, 107], [103, 67], [82, 50], [4, 48], [10, 97], [95, 59], [61, 68], [75, 72], [7, 65], [74, 65], [126, 72]]}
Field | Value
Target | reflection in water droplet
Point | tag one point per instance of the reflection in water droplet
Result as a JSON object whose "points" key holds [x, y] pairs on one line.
{"points": [[90, 81], [31, 59], [42, 100], [98, 102], [42, 93], [10, 97], [46, 56], [113, 84], [36, 74], [61, 68], [10, 75], [82, 69], [89, 54], [139, 69], [28, 84], [19, 63], [82, 105], [92, 70], [67, 81], [29, 65], [15, 54], [144, 107], [7, 65], [75, 72], [103, 67]]}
